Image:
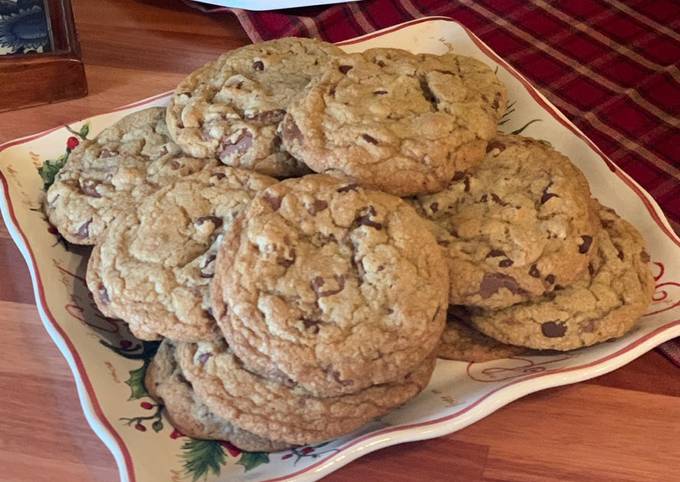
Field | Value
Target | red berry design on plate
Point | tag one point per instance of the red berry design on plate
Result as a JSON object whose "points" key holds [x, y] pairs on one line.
{"points": [[146, 405], [176, 434], [72, 143], [307, 450], [233, 451], [287, 456], [140, 427]]}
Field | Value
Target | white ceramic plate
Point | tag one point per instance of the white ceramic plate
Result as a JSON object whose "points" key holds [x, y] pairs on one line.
{"points": [[260, 5], [107, 363]]}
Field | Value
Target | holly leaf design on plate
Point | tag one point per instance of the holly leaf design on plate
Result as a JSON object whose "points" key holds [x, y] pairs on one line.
{"points": [[48, 171], [251, 460], [202, 457], [136, 382]]}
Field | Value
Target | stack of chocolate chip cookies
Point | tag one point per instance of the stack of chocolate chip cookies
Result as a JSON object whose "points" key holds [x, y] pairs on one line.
{"points": [[306, 230]]}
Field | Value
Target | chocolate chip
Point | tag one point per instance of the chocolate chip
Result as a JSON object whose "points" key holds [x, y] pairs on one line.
{"points": [[345, 68], [290, 130], [550, 278], [644, 256], [442, 242], [380, 63], [458, 175], [84, 230], [533, 271], [585, 246], [369, 139], [428, 94], [365, 218], [215, 220], [484, 198], [348, 188], [553, 329], [317, 206], [268, 117], [219, 175], [311, 325], [336, 376], [258, 65], [318, 282], [273, 201], [103, 294], [547, 195], [434, 207], [89, 188], [331, 91], [243, 142], [379, 92], [498, 200], [506, 263], [493, 145], [493, 282], [494, 253], [203, 357], [289, 261], [466, 182]]}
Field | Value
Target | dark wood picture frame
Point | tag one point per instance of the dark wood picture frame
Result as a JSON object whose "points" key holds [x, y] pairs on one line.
{"points": [[42, 78]]}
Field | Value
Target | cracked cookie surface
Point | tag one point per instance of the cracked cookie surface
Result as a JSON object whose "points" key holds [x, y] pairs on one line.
{"points": [[109, 175], [230, 108], [463, 343], [166, 384], [515, 226], [615, 292], [330, 286], [287, 412], [395, 121], [153, 265]]}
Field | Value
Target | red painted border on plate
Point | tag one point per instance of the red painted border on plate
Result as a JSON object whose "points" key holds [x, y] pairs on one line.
{"points": [[534, 94]]}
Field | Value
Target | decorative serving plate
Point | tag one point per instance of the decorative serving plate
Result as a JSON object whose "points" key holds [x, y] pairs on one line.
{"points": [[108, 364]]}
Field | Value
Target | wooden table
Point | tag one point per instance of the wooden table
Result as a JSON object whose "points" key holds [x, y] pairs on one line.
{"points": [[622, 426]]}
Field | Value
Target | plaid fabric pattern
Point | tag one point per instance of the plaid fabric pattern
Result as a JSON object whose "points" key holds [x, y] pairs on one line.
{"points": [[611, 66]]}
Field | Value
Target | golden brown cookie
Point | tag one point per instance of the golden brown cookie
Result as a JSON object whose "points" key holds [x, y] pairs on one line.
{"points": [[515, 226], [287, 412], [167, 385], [153, 265], [230, 108], [109, 175], [331, 286], [395, 121], [615, 292]]}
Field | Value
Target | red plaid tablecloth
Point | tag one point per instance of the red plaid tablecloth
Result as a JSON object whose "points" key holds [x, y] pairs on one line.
{"points": [[611, 66]]}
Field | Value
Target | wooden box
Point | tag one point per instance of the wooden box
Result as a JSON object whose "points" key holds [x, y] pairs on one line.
{"points": [[40, 59]]}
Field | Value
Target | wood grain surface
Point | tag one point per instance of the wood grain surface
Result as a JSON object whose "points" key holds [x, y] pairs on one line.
{"points": [[622, 426]]}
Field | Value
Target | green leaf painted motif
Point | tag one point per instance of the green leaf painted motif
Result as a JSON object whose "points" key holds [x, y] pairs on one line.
{"points": [[521, 129], [84, 131], [202, 457], [136, 382], [48, 171], [251, 460]]}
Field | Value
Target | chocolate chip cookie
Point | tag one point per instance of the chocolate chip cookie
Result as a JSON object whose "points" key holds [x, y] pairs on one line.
{"points": [[112, 173], [461, 342], [287, 412], [330, 286], [615, 292], [166, 383], [514, 227], [395, 121], [153, 265], [231, 108]]}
